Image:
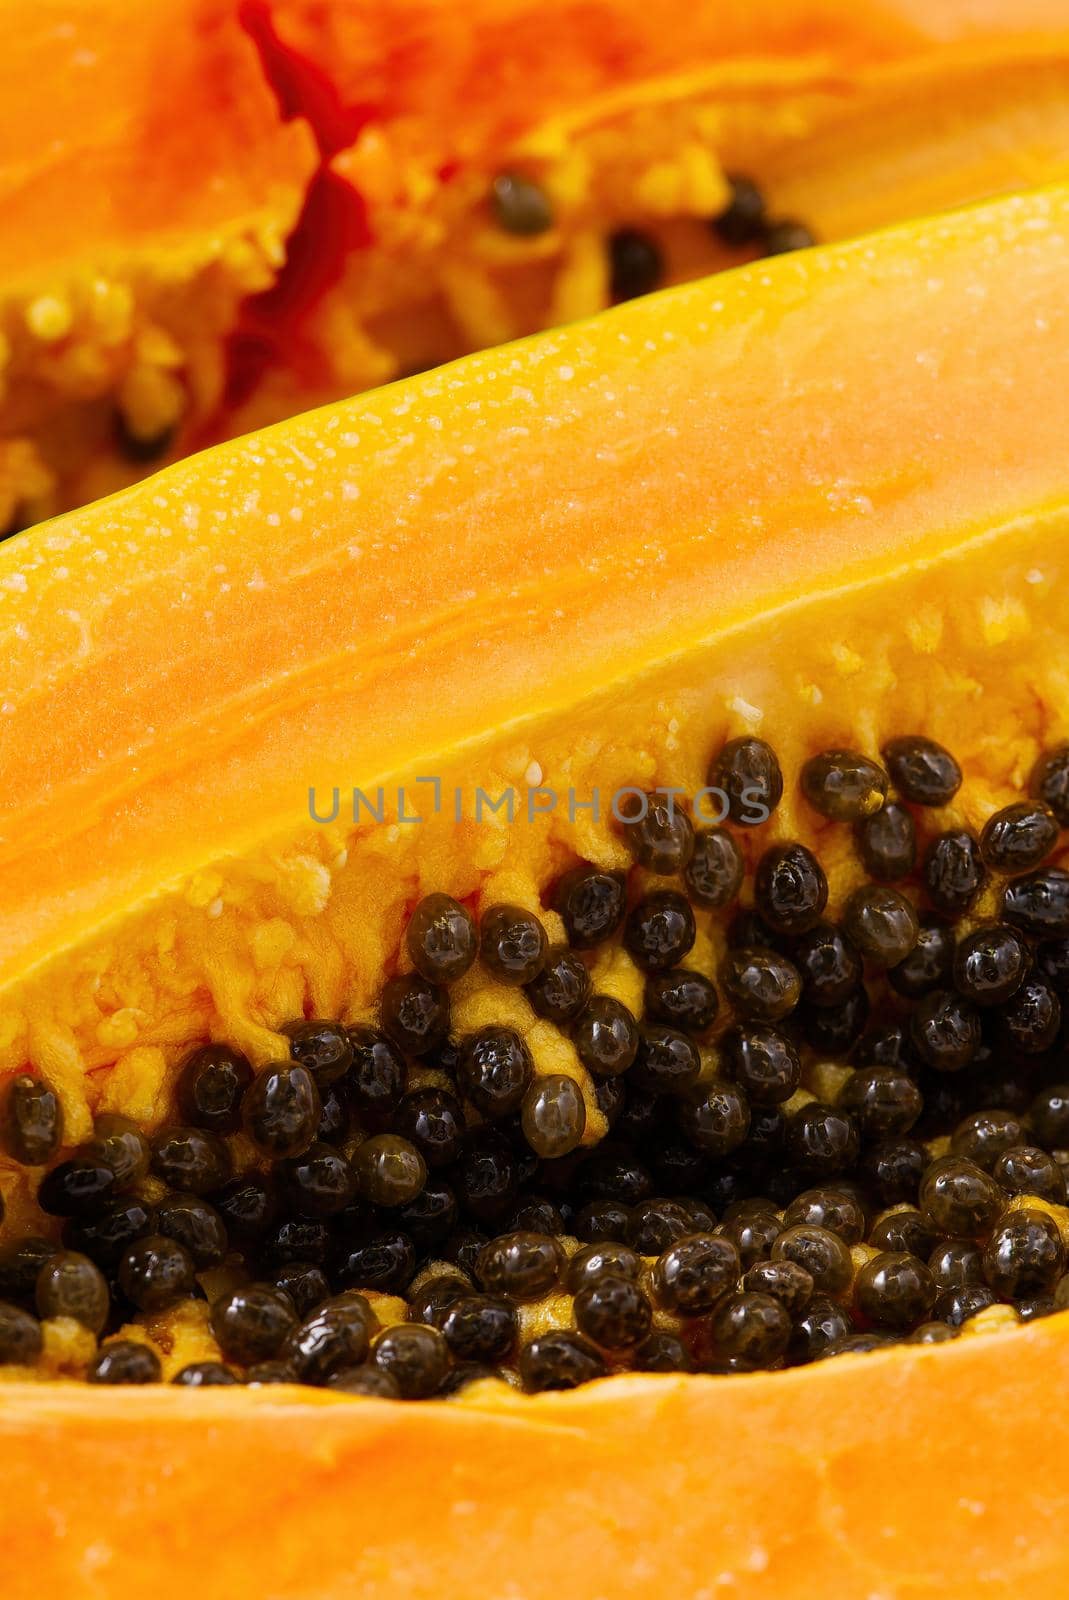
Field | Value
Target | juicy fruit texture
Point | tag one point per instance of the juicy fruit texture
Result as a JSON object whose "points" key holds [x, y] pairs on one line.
{"points": [[136, 933], [383, 187], [836, 1170], [141, 913], [132, 236]]}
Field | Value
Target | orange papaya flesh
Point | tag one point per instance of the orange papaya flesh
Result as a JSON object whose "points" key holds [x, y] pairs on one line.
{"points": [[848, 529], [175, 323], [768, 1484], [627, 125], [131, 232]]}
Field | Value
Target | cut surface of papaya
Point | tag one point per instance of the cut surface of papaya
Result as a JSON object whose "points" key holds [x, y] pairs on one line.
{"points": [[361, 192], [370, 1022]]}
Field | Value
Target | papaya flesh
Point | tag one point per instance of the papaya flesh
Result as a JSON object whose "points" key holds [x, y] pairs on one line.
{"points": [[332, 217], [821, 501]]}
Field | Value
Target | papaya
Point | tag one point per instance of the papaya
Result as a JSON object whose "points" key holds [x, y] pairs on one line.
{"points": [[359, 192], [550, 877]]}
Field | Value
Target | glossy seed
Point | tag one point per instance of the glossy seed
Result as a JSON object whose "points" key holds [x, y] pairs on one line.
{"points": [[317, 1183], [561, 990], [838, 1209], [106, 1236], [960, 1197], [990, 964], [945, 1031], [658, 833], [442, 939], [1024, 1255], [553, 1115], [414, 1014], [660, 931], [210, 1085], [1019, 837], [414, 1356], [591, 905], [125, 1361], [715, 1118], [822, 1140], [822, 1253], [1038, 904], [70, 1285], [480, 1328], [747, 773], [742, 220], [922, 771], [762, 1061], [790, 889], [885, 1101], [683, 999], [21, 1339], [881, 923], [692, 1275], [559, 1360], [953, 872], [495, 1069], [594, 1261], [785, 236], [1029, 1023], [829, 965], [519, 205], [844, 785], [752, 1329], [205, 1375], [668, 1061], [155, 1272], [613, 1312], [761, 984], [512, 944], [895, 1290], [191, 1159], [376, 1080], [121, 1145], [31, 1120], [335, 1336], [903, 1228], [1050, 782], [80, 1187], [388, 1170], [523, 1266], [433, 1120], [606, 1037], [280, 1110], [636, 264], [252, 1323], [1025, 1169], [786, 1281], [887, 843], [715, 871]]}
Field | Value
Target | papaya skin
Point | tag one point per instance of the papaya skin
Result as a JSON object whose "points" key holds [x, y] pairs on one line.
{"points": [[906, 1474]]}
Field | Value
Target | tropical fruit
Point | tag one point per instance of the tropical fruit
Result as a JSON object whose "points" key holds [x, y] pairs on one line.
{"points": [[550, 876], [331, 196]]}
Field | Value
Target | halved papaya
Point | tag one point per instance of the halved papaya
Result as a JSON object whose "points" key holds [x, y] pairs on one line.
{"points": [[174, 280], [793, 540]]}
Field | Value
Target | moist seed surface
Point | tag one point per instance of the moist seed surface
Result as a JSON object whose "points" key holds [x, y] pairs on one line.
{"points": [[850, 1129]]}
